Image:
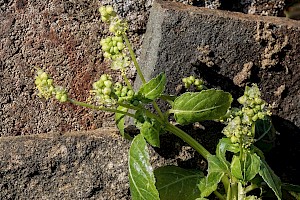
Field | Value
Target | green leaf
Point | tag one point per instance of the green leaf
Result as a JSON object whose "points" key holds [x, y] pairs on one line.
{"points": [[120, 121], [198, 106], [141, 177], [210, 183], [236, 168], [270, 178], [265, 134], [224, 145], [294, 194], [290, 187], [215, 165], [251, 166], [149, 128], [216, 170], [175, 183], [247, 169], [153, 89]]}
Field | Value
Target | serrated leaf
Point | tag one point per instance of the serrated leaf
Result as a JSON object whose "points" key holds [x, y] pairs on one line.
{"points": [[141, 176], [270, 178], [149, 128], [247, 169], [294, 194], [224, 145], [265, 134], [215, 165], [216, 170], [175, 183], [120, 121], [153, 89], [251, 166], [151, 131], [236, 168], [198, 106], [210, 183]]}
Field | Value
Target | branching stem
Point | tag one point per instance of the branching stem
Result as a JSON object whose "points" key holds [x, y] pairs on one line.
{"points": [[79, 103]]}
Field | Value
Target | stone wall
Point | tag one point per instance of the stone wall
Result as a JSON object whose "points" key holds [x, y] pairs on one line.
{"points": [[62, 37]]}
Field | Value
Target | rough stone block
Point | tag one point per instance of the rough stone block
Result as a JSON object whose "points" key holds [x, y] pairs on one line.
{"points": [[228, 50], [63, 38], [78, 165]]}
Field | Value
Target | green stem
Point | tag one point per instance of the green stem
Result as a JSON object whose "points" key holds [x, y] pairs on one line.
{"points": [[79, 103], [133, 57], [229, 192], [126, 79], [234, 190], [219, 195], [158, 110], [188, 139], [139, 71], [226, 183], [250, 188]]}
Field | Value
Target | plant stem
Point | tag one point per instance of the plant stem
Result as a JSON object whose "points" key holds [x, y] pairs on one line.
{"points": [[219, 195], [139, 71], [234, 190], [133, 57], [79, 103], [228, 192], [250, 188], [226, 183], [126, 79], [188, 139]]}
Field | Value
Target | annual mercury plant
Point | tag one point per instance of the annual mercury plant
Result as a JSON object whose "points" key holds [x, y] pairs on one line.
{"points": [[237, 170]]}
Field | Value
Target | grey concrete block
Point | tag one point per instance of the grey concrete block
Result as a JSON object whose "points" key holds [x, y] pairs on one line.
{"points": [[228, 50]]}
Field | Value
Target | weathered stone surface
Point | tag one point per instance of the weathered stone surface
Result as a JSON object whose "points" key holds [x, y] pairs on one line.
{"points": [[183, 40], [229, 50], [63, 38], [79, 165]]}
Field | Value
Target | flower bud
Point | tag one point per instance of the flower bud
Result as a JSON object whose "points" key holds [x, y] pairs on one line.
{"points": [[105, 47], [104, 77], [109, 10], [44, 76], [108, 83], [130, 93], [192, 79], [198, 82], [106, 91], [120, 46]]}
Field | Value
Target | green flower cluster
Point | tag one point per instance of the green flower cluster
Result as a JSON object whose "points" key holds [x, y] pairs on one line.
{"points": [[46, 89], [191, 80], [103, 90], [61, 94], [117, 26], [44, 84], [123, 92], [107, 93], [112, 46], [107, 12], [240, 122]]}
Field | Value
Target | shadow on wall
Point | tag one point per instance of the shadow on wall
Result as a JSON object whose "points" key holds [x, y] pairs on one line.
{"points": [[282, 158]]}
